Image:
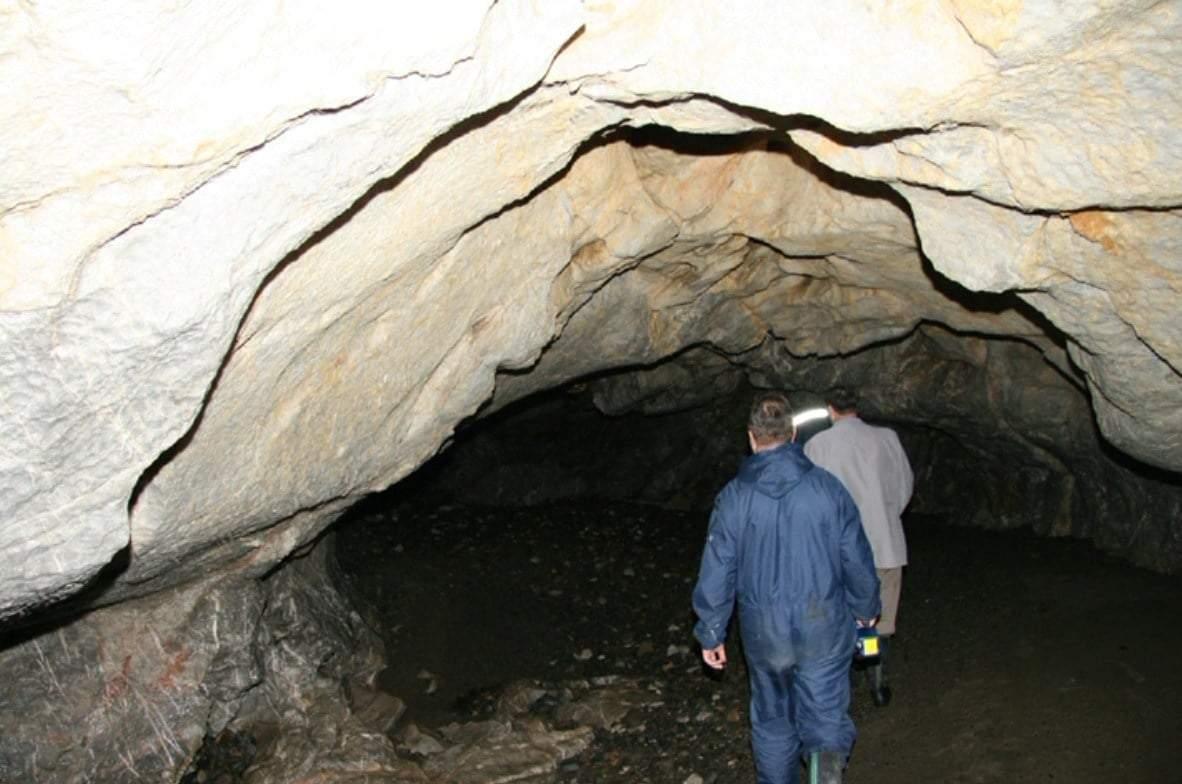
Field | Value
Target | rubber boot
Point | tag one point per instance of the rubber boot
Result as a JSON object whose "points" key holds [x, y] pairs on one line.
{"points": [[825, 767], [880, 690]]}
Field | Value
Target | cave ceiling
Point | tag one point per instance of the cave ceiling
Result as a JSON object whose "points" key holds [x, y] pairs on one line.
{"points": [[258, 265]]}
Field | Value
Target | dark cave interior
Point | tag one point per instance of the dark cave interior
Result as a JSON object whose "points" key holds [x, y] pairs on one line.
{"points": [[552, 544]]}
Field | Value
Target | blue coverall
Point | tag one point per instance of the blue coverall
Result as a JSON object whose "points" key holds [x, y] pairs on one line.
{"points": [[785, 540]]}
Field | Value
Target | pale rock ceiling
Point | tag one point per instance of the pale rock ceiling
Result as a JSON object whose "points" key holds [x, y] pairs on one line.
{"points": [[258, 262]]}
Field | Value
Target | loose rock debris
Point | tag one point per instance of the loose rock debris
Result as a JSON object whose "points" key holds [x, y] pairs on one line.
{"points": [[570, 633], [559, 639]]}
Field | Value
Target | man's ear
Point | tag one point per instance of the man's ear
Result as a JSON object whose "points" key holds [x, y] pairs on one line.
{"points": [[793, 439], [751, 441]]}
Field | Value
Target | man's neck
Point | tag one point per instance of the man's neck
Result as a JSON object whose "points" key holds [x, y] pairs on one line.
{"points": [[837, 416]]}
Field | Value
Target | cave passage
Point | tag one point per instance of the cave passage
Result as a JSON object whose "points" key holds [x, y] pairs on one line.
{"points": [[521, 555]]}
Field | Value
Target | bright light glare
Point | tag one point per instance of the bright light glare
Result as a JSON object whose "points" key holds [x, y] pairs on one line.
{"points": [[810, 415]]}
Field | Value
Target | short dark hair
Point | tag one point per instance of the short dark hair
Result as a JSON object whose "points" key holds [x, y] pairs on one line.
{"points": [[771, 417], [842, 399]]}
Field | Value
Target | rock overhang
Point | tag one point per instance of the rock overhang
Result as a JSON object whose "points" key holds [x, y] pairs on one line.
{"points": [[305, 316]]}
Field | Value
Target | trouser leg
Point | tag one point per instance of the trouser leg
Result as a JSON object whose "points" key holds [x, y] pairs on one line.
{"points": [[890, 591], [774, 741], [891, 581], [821, 699], [880, 689]]}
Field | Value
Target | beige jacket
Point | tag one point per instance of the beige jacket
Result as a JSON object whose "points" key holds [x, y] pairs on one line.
{"points": [[872, 465]]}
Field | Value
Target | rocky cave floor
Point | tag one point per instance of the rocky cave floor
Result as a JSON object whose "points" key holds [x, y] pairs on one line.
{"points": [[1018, 658]]}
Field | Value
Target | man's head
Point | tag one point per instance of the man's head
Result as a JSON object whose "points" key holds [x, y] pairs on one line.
{"points": [[842, 402], [770, 421]]}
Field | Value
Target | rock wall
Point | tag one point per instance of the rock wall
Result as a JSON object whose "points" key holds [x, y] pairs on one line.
{"points": [[1011, 456], [135, 692]]}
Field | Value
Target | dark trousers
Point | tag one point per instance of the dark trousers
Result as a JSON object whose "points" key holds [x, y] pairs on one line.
{"points": [[797, 706]]}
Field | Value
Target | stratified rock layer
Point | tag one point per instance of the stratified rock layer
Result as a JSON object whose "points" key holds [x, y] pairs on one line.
{"points": [[275, 305]]}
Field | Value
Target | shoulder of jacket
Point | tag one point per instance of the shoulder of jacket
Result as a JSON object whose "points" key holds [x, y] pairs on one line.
{"points": [[824, 438], [822, 475], [882, 431], [729, 490]]}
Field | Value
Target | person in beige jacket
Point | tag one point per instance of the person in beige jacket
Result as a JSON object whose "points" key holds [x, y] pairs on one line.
{"points": [[872, 465]]}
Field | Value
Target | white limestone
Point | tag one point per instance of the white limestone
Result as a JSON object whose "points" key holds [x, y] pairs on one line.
{"points": [[258, 260]]}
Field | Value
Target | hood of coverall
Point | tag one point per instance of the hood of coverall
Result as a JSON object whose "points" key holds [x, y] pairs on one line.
{"points": [[776, 471]]}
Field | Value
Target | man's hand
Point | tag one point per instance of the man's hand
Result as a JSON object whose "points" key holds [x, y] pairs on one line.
{"points": [[715, 658]]}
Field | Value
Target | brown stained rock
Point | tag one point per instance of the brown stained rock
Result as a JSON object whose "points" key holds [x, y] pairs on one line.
{"points": [[1095, 226], [129, 691]]}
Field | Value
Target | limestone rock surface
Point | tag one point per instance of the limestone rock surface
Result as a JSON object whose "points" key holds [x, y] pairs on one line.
{"points": [[159, 220], [259, 263]]}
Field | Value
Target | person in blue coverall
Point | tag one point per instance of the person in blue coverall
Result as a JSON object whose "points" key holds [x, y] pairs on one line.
{"points": [[786, 542]]}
